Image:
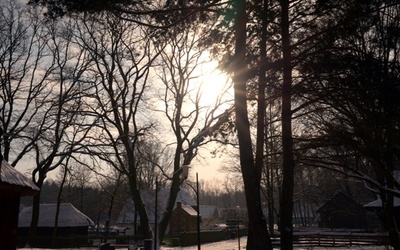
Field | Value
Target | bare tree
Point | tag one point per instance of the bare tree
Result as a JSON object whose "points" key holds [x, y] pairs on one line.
{"points": [[40, 93], [57, 132], [122, 58], [258, 234], [193, 124], [111, 185], [23, 78], [153, 159]]}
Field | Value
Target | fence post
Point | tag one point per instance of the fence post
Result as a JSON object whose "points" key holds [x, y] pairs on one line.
{"points": [[351, 243]]}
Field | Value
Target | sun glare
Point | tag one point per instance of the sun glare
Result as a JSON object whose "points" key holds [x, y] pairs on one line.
{"points": [[215, 87]]}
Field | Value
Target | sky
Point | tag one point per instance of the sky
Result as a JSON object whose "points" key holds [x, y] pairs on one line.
{"points": [[213, 82], [205, 164]]}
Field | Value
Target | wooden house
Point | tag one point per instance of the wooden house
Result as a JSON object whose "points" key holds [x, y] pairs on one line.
{"points": [[183, 219], [341, 211], [13, 185]]}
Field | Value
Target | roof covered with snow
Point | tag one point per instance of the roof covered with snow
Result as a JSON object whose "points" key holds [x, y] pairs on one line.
{"points": [[189, 209], [11, 179], [208, 211], [127, 215], [339, 201], [69, 216], [378, 203]]}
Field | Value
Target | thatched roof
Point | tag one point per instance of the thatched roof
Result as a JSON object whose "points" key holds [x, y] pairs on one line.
{"points": [[12, 180], [68, 216]]}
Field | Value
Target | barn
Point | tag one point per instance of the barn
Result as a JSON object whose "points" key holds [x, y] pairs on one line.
{"points": [[13, 185], [341, 211]]}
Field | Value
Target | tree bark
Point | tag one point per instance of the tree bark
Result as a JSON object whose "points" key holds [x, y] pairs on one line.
{"points": [[35, 214], [258, 237], [387, 203], [163, 225], [388, 198], [261, 126], [54, 234], [286, 201], [140, 206]]}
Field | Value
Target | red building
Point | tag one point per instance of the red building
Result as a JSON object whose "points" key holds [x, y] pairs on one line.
{"points": [[183, 219]]}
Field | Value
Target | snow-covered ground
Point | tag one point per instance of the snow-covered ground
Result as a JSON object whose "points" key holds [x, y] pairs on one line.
{"points": [[233, 245], [223, 245]]}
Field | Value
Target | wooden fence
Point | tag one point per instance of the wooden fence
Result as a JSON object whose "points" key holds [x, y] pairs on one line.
{"points": [[336, 239], [301, 239]]}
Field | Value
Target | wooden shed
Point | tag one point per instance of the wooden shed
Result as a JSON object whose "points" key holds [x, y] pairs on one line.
{"points": [[341, 211], [13, 185]]}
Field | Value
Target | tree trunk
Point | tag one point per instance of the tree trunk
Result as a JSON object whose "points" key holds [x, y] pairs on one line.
{"points": [[162, 227], [261, 124], [270, 177], [387, 202], [54, 234], [286, 201], [270, 200], [176, 179], [176, 182], [35, 214], [140, 206], [258, 237]]}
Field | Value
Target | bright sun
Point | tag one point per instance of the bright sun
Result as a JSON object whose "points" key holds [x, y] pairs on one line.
{"points": [[215, 86]]}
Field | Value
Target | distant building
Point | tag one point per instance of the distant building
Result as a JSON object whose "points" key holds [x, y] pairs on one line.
{"points": [[209, 212], [231, 213], [128, 217], [341, 211], [13, 185], [71, 222]]}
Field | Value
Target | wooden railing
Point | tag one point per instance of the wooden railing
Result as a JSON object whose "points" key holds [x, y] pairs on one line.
{"points": [[301, 239], [335, 239]]}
